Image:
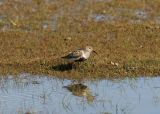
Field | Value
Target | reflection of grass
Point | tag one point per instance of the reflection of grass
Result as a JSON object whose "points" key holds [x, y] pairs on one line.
{"points": [[27, 47]]}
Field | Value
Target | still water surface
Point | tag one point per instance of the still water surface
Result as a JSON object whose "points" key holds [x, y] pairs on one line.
{"points": [[49, 95]]}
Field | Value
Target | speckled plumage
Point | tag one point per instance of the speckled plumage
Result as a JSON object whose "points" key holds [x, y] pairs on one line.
{"points": [[79, 54]]}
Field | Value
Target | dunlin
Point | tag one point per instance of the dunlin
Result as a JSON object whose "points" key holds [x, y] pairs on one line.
{"points": [[80, 55]]}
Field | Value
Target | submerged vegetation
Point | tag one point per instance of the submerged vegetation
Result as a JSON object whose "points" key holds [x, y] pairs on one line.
{"points": [[34, 35]]}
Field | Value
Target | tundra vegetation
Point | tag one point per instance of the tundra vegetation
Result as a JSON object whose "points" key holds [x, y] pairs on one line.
{"points": [[35, 34]]}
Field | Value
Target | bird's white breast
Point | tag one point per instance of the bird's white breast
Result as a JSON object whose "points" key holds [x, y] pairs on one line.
{"points": [[86, 55]]}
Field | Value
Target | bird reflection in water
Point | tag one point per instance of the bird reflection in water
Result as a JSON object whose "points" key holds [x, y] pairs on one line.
{"points": [[80, 90]]}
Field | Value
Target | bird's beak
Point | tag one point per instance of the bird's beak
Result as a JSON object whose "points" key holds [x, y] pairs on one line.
{"points": [[95, 52]]}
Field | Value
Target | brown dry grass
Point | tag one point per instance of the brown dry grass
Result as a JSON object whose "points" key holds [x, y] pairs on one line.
{"points": [[124, 48]]}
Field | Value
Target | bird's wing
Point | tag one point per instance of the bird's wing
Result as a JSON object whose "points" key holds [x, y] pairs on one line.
{"points": [[74, 54]]}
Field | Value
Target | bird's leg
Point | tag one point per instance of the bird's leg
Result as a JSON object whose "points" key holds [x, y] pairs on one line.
{"points": [[78, 66], [73, 65]]}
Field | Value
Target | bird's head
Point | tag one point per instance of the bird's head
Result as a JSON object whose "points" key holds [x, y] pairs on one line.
{"points": [[90, 49]]}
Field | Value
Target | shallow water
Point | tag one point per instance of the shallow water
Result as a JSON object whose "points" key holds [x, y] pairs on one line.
{"points": [[46, 95]]}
